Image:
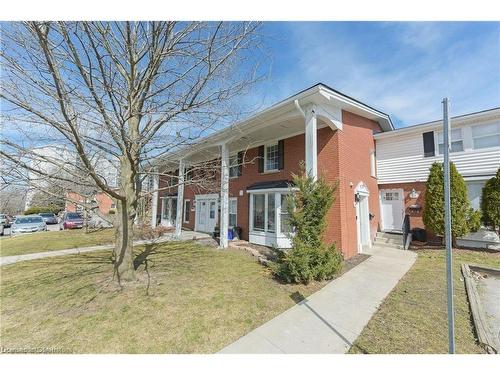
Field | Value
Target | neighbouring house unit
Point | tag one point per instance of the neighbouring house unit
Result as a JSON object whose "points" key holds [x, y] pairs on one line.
{"points": [[335, 136], [404, 157], [103, 202]]}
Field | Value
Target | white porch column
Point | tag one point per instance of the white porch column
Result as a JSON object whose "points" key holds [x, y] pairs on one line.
{"points": [[311, 142], [180, 199], [224, 196], [154, 198]]}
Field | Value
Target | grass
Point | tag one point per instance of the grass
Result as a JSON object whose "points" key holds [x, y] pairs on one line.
{"points": [[189, 299], [413, 318], [57, 240]]}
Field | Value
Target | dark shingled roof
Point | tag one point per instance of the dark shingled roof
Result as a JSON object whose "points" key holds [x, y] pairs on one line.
{"points": [[280, 184]]}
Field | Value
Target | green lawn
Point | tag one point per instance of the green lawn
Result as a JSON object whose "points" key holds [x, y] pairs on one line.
{"points": [[47, 241], [413, 317], [190, 299]]}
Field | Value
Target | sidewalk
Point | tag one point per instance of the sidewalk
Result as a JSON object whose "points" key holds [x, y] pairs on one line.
{"points": [[330, 320], [185, 236]]}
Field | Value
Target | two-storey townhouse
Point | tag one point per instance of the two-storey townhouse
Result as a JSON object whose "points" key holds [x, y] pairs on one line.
{"points": [[330, 132], [405, 155]]}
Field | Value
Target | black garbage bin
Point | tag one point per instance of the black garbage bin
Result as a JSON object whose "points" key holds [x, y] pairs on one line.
{"points": [[419, 234]]}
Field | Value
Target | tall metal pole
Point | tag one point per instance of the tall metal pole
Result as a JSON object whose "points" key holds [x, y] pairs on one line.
{"points": [[447, 226]]}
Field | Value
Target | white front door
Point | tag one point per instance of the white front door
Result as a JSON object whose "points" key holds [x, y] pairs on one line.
{"points": [[169, 211], [392, 207], [363, 222], [206, 214]]}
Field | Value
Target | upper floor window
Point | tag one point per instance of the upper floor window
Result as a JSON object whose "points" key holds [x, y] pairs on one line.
{"points": [[234, 168], [484, 136], [271, 161], [457, 143]]}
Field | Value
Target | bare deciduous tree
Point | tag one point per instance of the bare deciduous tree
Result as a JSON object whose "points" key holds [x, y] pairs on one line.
{"points": [[123, 92]]}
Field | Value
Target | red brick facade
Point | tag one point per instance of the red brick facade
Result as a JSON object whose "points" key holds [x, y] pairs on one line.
{"points": [[415, 214], [104, 202], [343, 156]]}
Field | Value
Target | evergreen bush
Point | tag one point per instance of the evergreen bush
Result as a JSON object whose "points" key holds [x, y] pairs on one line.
{"points": [[463, 218], [309, 258], [490, 203]]}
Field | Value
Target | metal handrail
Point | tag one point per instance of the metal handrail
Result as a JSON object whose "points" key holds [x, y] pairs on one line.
{"points": [[406, 230]]}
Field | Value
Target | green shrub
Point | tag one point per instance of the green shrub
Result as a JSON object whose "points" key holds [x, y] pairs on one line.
{"points": [[433, 214], [490, 202], [111, 212], [309, 258], [36, 210], [474, 220]]}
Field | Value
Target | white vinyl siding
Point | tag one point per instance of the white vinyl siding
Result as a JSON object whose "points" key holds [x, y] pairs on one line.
{"points": [[401, 158]]}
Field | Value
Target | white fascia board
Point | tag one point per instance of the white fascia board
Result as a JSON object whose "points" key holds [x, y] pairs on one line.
{"points": [[467, 119]]}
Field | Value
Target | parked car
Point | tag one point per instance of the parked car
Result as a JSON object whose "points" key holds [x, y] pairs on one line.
{"points": [[49, 217], [28, 224], [71, 220], [5, 220], [1, 229]]}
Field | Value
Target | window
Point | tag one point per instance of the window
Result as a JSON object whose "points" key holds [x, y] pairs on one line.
{"points": [[272, 158], [271, 213], [259, 203], [373, 168], [212, 210], [113, 205], [392, 196], [456, 140], [285, 214], [233, 210], [234, 168], [187, 207], [485, 136], [474, 192]]}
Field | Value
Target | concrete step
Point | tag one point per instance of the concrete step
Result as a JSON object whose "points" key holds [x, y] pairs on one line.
{"points": [[397, 241], [392, 236]]}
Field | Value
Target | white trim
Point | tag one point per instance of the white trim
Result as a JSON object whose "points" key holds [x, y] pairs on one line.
{"points": [[206, 196], [273, 190], [468, 119]]}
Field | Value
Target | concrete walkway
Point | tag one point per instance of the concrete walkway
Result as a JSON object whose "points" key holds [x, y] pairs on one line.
{"points": [[330, 320], [185, 236]]}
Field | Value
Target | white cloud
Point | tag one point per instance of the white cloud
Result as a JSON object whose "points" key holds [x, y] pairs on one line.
{"points": [[409, 89]]}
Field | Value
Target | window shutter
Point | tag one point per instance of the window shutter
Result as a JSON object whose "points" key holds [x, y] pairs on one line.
{"points": [[429, 144], [281, 154], [261, 159], [240, 163]]}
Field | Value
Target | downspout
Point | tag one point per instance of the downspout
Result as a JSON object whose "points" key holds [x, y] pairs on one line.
{"points": [[299, 108]]}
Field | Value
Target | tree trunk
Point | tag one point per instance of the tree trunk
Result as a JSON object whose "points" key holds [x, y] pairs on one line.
{"points": [[126, 211]]}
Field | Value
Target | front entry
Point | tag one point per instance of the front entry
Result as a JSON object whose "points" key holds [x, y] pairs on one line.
{"points": [[392, 208], [169, 211], [362, 216], [206, 212]]}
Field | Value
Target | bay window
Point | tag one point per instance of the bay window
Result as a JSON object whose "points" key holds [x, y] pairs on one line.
{"points": [[259, 202]]}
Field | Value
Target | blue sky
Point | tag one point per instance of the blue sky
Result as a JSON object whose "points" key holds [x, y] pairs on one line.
{"points": [[401, 68]]}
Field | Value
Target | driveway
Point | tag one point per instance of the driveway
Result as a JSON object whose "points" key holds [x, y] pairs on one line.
{"points": [[330, 320]]}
